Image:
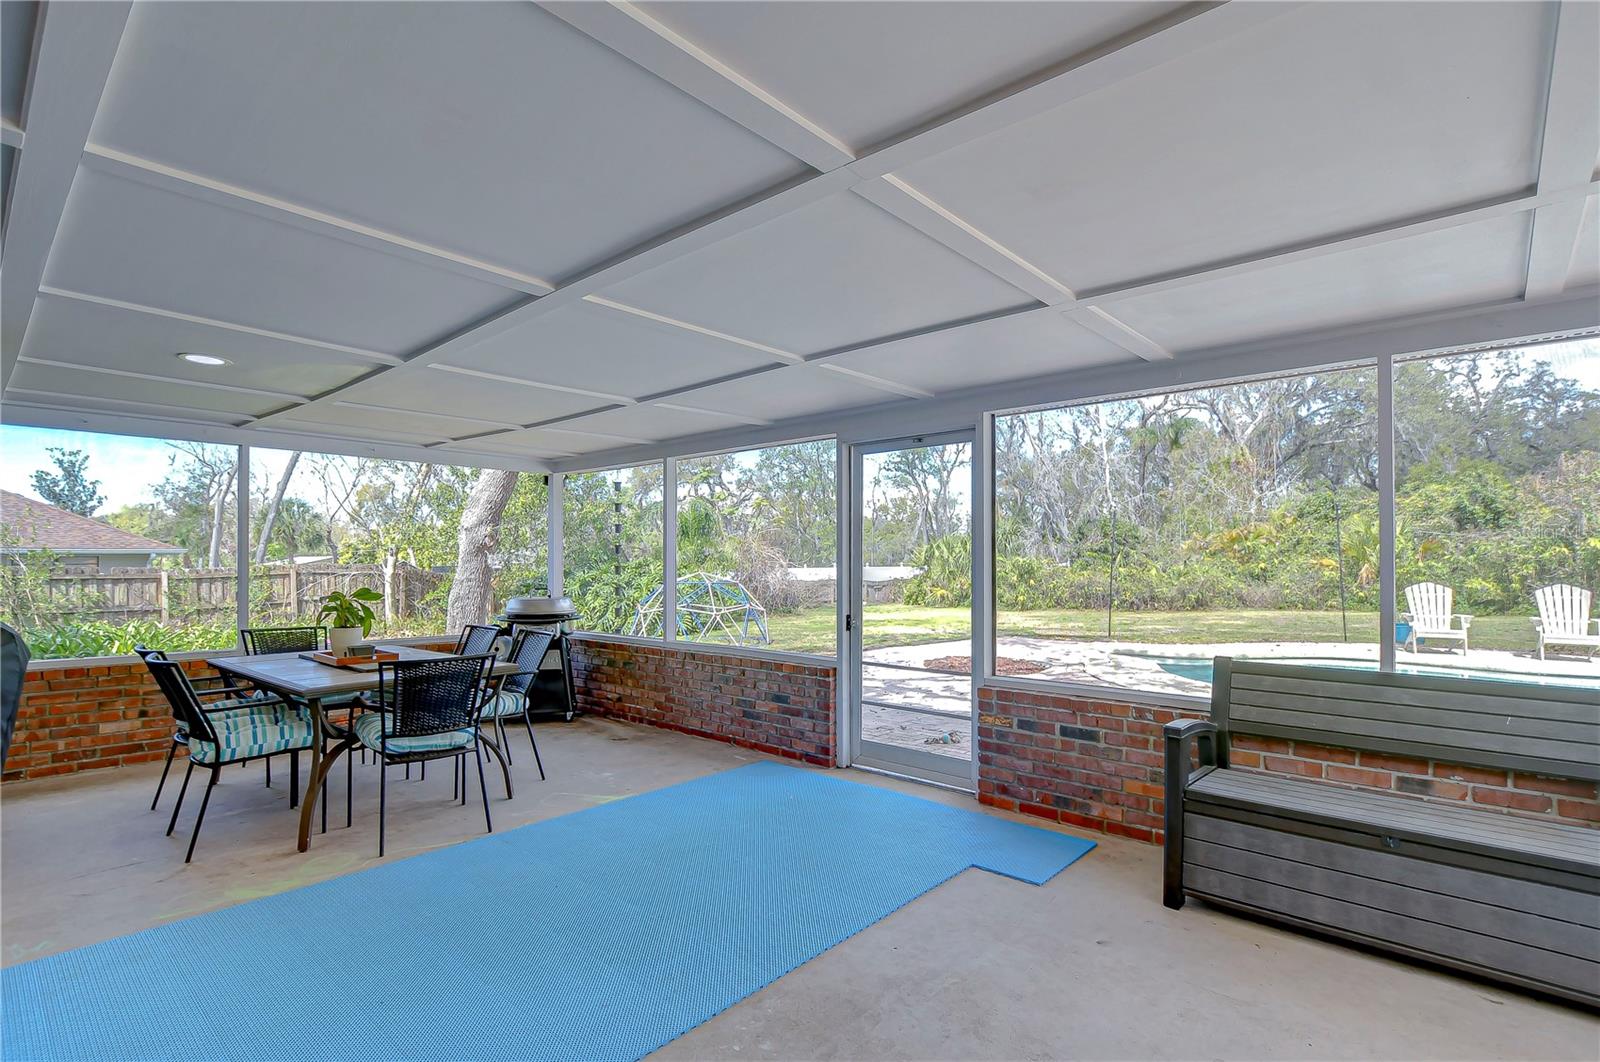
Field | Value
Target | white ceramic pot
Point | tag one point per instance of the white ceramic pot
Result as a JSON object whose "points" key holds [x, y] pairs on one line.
{"points": [[340, 639]]}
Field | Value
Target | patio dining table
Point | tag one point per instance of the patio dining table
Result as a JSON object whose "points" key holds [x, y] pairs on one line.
{"points": [[294, 678]]}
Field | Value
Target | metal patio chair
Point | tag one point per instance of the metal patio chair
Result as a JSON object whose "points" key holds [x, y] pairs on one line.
{"points": [[248, 730], [513, 694], [427, 710]]}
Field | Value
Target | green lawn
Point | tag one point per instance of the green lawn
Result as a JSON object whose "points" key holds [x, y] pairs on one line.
{"points": [[812, 630]]}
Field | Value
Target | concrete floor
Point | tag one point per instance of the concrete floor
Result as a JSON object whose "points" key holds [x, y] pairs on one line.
{"points": [[983, 967]]}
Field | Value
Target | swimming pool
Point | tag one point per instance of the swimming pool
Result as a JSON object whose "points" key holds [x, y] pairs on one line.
{"points": [[1198, 669]]}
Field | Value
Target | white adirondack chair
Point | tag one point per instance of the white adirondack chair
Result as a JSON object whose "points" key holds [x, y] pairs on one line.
{"points": [[1564, 618], [1430, 615]]}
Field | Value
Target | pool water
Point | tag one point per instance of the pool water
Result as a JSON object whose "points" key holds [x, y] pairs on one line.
{"points": [[1199, 670]]}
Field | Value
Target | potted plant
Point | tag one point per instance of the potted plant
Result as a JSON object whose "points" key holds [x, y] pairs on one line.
{"points": [[349, 617]]}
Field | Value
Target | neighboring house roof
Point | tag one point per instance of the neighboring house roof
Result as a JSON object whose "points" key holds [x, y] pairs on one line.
{"points": [[32, 524]]}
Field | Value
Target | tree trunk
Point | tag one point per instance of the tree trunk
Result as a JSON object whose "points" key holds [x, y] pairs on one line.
{"points": [[272, 509], [471, 593], [219, 507]]}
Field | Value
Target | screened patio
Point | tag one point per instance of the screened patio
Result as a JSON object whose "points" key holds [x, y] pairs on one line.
{"points": [[908, 424]]}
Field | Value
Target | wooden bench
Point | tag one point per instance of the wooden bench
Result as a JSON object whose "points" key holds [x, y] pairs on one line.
{"points": [[1506, 897]]}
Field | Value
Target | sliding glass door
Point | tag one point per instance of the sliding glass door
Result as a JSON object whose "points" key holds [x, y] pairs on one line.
{"points": [[910, 607]]}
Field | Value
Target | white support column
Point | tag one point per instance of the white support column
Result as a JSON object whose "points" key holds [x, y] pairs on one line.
{"points": [[241, 552], [669, 549], [846, 569], [1386, 513], [983, 597], [555, 511]]}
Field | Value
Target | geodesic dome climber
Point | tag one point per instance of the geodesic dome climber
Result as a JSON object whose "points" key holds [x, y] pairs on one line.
{"points": [[711, 608]]}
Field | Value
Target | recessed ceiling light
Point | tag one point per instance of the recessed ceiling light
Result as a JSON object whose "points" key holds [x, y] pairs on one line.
{"points": [[203, 359]]}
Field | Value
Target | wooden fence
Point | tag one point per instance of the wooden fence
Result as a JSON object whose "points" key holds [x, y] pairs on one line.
{"points": [[277, 592]]}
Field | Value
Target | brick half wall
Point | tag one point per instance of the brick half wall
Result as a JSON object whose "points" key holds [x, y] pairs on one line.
{"points": [[780, 707], [1098, 765], [80, 715]]}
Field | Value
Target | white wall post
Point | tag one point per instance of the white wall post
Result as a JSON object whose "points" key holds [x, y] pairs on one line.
{"points": [[1386, 513], [241, 550], [555, 512], [983, 595], [669, 549], [846, 569]]}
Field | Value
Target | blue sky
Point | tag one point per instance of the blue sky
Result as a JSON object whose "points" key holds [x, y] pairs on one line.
{"points": [[126, 466]]}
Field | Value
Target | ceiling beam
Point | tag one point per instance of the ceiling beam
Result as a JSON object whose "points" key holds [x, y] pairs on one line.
{"points": [[673, 322], [194, 186], [1569, 145], [519, 381], [73, 52], [913, 208], [635, 35]]}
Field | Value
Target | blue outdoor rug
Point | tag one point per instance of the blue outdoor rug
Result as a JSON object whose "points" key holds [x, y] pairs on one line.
{"points": [[598, 935]]}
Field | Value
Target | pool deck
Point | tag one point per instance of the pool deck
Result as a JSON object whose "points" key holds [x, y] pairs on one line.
{"points": [[1137, 666]]}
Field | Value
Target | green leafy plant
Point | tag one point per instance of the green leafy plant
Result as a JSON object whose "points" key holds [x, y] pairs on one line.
{"points": [[350, 610]]}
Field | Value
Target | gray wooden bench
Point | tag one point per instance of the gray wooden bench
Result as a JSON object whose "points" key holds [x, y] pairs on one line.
{"points": [[1506, 897]]}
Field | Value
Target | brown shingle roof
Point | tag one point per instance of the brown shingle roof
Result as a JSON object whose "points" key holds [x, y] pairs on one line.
{"points": [[32, 524]]}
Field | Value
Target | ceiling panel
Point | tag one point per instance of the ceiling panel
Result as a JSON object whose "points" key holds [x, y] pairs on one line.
{"points": [[537, 443], [795, 391], [128, 241], [33, 376], [596, 349], [1328, 118], [1586, 258], [108, 336], [488, 129], [16, 53], [1456, 267], [434, 391], [638, 424], [1008, 348], [412, 434], [837, 272], [866, 71], [76, 401]]}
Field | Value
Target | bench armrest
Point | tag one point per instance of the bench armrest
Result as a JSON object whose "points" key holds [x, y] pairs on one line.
{"points": [[1465, 618], [1179, 735]]}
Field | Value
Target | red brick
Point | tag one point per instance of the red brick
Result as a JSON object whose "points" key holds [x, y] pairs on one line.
{"points": [[1567, 787], [1504, 798], [1338, 772], [1578, 809], [1474, 775], [1400, 764], [1285, 765]]}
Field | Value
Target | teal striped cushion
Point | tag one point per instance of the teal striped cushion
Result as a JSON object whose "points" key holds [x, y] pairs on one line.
{"points": [[254, 729], [506, 702], [368, 733]]}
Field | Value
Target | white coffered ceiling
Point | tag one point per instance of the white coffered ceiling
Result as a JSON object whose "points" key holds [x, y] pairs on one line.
{"points": [[546, 235]]}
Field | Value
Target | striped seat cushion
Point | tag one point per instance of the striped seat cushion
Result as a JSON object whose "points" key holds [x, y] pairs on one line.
{"points": [[217, 709], [368, 733], [504, 703], [253, 729]]}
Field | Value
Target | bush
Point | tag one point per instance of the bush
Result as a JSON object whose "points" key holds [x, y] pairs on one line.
{"points": [[102, 638]]}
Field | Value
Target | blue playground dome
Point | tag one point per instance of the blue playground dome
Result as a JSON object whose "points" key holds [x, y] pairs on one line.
{"points": [[711, 608]]}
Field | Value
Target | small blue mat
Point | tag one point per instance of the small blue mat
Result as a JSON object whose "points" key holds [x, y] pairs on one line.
{"points": [[598, 935]]}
